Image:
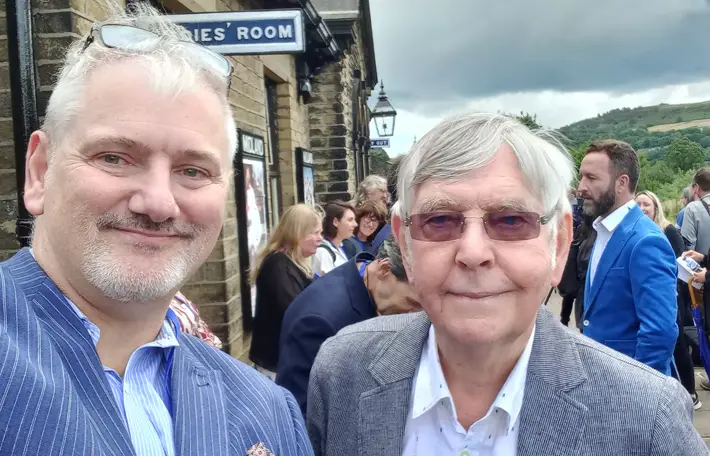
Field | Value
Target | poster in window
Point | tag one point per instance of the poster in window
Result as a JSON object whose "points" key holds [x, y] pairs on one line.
{"points": [[308, 186], [257, 223]]}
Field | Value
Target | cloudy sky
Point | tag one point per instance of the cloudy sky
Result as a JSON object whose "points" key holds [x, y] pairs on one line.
{"points": [[565, 60]]}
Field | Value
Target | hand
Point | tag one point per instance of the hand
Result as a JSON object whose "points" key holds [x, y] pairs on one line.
{"points": [[699, 257], [700, 275]]}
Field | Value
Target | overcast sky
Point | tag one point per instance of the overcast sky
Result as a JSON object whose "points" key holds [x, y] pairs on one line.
{"points": [[564, 60]]}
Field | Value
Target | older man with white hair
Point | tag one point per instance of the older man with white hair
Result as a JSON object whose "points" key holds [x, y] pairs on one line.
{"points": [[485, 228], [128, 179]]}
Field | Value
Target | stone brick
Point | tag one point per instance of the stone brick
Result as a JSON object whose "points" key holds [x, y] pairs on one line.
{"points": [[338, 187], [48, 73], [8, 184], [338, 141], [8, 207], [43, 101], [6, 133], [205, 292], [58, 4], [338, 176], [54, 22], [3, 50], [340, 164], [214, 314], [5, 103], [344, 196], [96, 10], [52, 48]]}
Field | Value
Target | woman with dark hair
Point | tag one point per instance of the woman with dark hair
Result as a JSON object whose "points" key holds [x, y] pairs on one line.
{"points": [[338, 225], [370, 217]]}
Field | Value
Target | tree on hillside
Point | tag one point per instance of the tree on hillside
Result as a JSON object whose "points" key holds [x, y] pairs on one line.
{"points": [[529, 120], [379, 161], [684, 154]]}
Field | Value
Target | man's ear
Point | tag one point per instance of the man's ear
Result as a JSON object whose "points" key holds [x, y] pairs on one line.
{"points": [[398, 231], [36, 165], [563, 241], [383, 268]]}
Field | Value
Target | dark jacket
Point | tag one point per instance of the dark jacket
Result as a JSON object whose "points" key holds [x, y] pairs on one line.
{"points": [[352, 246], [334, 301], [584, 253], [675, 239], [279, 281]]}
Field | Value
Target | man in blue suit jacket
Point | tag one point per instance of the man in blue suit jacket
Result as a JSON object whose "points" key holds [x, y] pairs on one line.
{"points": [[128, 180], [356, 291], [630, 292]]}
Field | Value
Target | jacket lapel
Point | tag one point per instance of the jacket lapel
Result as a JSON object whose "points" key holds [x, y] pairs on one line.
{"points": [[78, 354], [611, 253], [384, 410], [198, 404], [551, 421]]}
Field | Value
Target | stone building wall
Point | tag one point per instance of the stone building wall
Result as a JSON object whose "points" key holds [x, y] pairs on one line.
{"points": [[215, 288], [331, 125]]}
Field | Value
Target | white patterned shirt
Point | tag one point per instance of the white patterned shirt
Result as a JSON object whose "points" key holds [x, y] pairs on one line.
{"points": [[433, 428]]}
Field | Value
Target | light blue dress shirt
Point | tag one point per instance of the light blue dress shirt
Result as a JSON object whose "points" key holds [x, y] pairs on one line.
{"points": [[143, 393]]}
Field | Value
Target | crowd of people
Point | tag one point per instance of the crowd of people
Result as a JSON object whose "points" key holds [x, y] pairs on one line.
{"points": [[409, 321]]}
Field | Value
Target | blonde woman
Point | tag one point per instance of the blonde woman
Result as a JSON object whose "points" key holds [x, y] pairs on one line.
{"points": [[651, 206], [282, 270], [649, 203]]}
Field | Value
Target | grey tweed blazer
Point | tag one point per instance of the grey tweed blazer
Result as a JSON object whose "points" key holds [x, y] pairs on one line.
{"points": [[581, 398]]}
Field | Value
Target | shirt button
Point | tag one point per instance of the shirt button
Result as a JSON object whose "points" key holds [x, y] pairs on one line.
{"points": [[586, 323], [464, 453]]}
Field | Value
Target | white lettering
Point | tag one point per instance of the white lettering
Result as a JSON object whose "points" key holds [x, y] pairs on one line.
{"points": [[219, 34], [285, 31], [205, 35], [253, 146], [256, 33], [242, 33], [270, 32]]}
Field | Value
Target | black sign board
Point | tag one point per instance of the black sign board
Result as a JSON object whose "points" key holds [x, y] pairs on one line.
{"points": [[251, 189], [304, 177]]}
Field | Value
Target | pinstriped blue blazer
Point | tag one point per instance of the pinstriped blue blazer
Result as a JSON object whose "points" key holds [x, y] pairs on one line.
{"points": [[54, 398]]}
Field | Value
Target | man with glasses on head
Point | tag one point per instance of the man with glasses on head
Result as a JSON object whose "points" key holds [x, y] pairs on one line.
{"points": [[485, 228], [128, 179]]}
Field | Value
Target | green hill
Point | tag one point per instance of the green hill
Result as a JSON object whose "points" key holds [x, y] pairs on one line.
{"points": [[632, 125]]}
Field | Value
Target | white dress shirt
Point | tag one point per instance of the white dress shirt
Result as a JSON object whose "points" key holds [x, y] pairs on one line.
{"points": [[432, 426], [605, 228]]}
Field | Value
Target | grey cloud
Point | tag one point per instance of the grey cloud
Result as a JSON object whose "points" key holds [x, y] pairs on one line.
{"points": [[432, 54]]}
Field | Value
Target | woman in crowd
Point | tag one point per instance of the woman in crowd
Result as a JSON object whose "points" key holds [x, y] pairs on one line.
{"points": [[338, 224], [370, 216], [685, 197], [281, 272], [373, 187], [651, 206]]}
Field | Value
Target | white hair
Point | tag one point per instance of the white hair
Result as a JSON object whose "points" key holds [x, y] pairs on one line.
{"points": [[370, 184], [173, 68], [466, 142]]}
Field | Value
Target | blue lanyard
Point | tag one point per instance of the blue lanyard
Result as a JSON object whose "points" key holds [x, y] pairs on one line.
{"points": [[362, 244], [363, 267]]}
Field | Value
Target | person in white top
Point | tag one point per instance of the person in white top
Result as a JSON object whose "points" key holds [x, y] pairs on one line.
{"points": [[484, 225], [338, 224]]}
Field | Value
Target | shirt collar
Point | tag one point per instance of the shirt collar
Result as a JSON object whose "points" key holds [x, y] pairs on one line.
{"points": [[612, 221], [430, 384]]}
